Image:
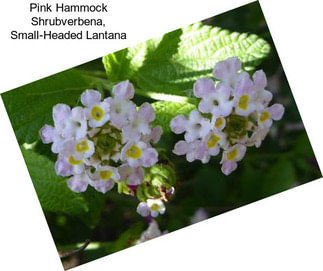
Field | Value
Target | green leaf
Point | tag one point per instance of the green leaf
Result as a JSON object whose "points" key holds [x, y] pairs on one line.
{"points": [[166, 111], [54, 194], [170, 64], [280, 177], [52, 190], [29, 107]]}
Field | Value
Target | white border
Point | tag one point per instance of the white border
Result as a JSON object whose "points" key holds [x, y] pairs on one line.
{"points": [[283, 232]]}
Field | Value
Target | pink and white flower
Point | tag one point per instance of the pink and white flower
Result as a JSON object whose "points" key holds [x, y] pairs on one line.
{"points": [[78, 183], [153, 207], [96, 112], [227, 71], [139, 124], [263, 96], [122, 109], [231, 156], [211, 146], [266, 116], [189, 149], [215, 100], [104, 178], [75, 124], [195, 126], [244, 97], [137, 154], [133, 176]]}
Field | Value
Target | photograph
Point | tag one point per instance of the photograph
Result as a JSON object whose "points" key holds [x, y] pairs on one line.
{"points": [[161, 135]]}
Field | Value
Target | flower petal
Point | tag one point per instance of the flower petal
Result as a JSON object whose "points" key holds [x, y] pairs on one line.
{"points": [[90, 97], [123, 90], [203, 87], [102, 186], [181, 147], [78, 183], [62, 167], [60, 113], [147, 112], [260, 79], [178, 124], [47, 133], [143, 209], [156, 134], [227, 68], [228, 167], [150, 157], [276, 111]]}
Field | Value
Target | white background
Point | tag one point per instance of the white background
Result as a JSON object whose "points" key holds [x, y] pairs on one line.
{"points": [[283, 232]]}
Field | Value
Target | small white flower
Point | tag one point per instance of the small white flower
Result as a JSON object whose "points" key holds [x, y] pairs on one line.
{"points": [[211, 146], [75, 124], [121, 108], [178, 124], [80, 149], [196, 126], [138, 154], [123, 90], [106, 173], [153, 207], [154, 136], [62, 167], [75, 153], [143, 209], [228, 71], [231, 156], [104, 178], [121, 111], [96, 112], [218, 123], [139, 123], [156, 207], [266, 116], [189, 149], [218, 102], [61, 112], [244, 97], [263, 97], [133, 176], [78, 183], [50, 134]]}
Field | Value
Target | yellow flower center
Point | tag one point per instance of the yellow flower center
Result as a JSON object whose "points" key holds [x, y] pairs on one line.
{"points": [[97, 113], [134, 152], [154, 207], [232, 155], [212, 140], [243, 102], [264, 116], [82, 146], [219, 122], [73, 161], [105, 174]]}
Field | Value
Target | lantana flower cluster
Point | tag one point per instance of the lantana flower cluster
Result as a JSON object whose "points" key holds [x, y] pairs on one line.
{"points": [[233, 114], [104, 142]]}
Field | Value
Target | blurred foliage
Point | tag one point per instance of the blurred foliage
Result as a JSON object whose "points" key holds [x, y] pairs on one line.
{"points": [[110, 221]]}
